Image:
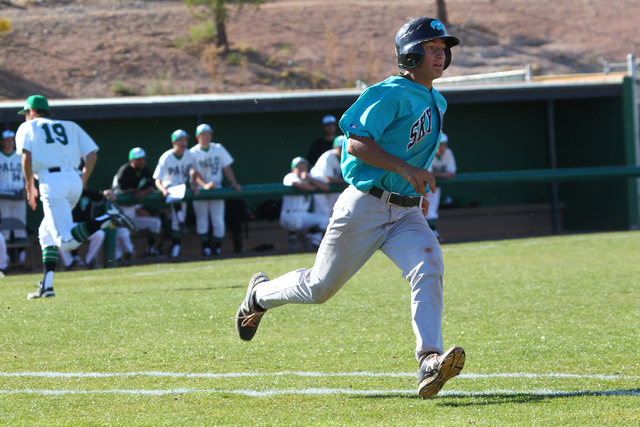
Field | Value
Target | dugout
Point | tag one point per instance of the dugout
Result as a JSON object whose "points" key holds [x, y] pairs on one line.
{"points": [[533, 126]]}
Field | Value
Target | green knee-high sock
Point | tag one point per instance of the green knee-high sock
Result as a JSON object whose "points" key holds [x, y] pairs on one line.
{"points": [[205, 241]]}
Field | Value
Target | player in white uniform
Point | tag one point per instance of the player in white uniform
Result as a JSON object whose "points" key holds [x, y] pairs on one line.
{"points": [[213, 160], [12, 204], [393, 131], [443, 166], [174, 168], [51, 150], [295, 216], [327, 169]]}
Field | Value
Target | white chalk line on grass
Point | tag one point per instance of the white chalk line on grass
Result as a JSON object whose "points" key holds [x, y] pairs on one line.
{"points": [[305, 374], [329, 391]]}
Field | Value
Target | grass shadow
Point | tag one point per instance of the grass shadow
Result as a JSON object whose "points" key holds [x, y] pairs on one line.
{"points": [[526, 397]]}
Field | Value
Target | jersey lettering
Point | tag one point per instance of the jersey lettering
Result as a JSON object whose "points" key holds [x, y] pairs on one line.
{"points": [[418, 130], [213, 164], [179, 170]]}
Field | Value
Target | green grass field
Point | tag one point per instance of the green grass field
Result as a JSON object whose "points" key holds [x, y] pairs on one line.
{"points": [[551, 327]]}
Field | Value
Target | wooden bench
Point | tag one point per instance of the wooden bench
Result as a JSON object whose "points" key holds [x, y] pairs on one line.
{"points": [[492, 222]]}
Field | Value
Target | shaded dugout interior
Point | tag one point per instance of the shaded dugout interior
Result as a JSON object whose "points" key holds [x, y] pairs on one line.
{"points": [[507, 127]]}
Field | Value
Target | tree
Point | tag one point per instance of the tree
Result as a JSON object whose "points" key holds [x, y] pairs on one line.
{"points": [[216, 10], [442, 12]]}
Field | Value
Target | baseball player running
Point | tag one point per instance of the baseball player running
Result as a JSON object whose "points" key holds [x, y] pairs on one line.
{"points": [[213, 160], [51, 150], [174, 168], [393, 131]]}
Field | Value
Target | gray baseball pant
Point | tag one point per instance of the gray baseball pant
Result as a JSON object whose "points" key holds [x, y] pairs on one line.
{"points": [[360, 225]]}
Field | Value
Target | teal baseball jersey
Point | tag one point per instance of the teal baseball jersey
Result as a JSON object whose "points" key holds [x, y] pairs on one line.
{"points": [[405, 119]]}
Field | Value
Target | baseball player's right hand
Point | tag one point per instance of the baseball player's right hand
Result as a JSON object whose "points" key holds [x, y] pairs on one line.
{"points": [[419, 178], [32, 194]]}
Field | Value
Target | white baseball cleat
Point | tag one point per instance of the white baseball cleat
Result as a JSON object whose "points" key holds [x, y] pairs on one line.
{"points": [[42, 292], [437, 369], [119, 219]]}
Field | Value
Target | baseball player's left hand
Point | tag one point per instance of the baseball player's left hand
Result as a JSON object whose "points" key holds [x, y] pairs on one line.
{"points": [[425, 206], [210, 185]]}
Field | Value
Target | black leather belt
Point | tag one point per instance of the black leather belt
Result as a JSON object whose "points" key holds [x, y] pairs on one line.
{"points": [[54, 169], [396, 199]]}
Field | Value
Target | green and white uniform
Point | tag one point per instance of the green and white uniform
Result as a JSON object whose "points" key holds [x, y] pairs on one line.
{"points": [[173, 170], [12, 183], [211, 162]]}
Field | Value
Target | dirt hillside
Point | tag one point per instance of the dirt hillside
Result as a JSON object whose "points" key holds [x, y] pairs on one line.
{"points": [[106, 48]]}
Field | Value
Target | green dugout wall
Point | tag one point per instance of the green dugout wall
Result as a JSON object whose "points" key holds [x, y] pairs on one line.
{"points": [[509, 127]]}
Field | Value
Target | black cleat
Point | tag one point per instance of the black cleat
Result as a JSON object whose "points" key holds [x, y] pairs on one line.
{"points": [[248, 316]]}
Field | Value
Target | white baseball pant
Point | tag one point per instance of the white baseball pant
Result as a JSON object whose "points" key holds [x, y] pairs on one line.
{"points": [[95, 243], [123, 242], [14, 209], [323, 203], [175, 225], [4, 258], [362, 224], [434, 204], [205, 209], [150, 223], [59, 193], [296, 221]]}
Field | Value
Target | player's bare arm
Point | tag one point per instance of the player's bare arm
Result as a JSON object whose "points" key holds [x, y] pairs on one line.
{"points": [[312, 184], [370, 152], [161, 187], [30, 186], [197, 179], [228, 172], [89, 163], [320, 185]]}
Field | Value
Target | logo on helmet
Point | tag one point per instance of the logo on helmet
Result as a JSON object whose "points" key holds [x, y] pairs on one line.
{"points": [[437, 25]]}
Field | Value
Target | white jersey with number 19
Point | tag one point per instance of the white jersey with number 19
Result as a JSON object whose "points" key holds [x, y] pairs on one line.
{"points": [[53, 143]]}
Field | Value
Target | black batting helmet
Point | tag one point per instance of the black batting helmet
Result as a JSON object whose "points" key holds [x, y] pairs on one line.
{"points": [[408, 49]]}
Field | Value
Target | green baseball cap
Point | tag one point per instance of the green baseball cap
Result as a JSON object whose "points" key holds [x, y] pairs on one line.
{"points": [[178, 134], [37, 102], [203, 128], [137, 153]]}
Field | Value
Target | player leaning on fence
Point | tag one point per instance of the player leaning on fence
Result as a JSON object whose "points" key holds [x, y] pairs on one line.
{"points": [[393, 131]]}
